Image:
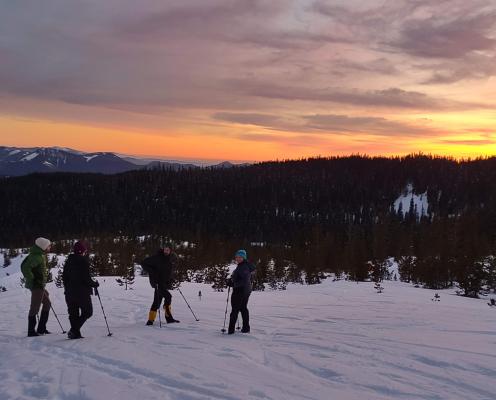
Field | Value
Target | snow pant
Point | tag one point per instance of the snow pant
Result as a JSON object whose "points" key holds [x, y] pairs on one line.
{"points": [[239, 303], [39, 297], [161, 294], [80, 309]]}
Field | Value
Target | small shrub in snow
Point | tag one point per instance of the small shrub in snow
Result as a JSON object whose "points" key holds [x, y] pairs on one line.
{"points": [[378, 287], [6, 261]]}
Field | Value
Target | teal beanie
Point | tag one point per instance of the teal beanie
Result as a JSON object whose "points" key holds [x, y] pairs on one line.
{"points": [[241, 253]]}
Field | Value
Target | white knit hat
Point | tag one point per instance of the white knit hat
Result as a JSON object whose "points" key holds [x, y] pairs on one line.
{"points": [[42, 243]]}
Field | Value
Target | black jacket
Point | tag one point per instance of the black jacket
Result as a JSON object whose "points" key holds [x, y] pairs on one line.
{"points": [[160, 268], [76, 276], [241, 276]]}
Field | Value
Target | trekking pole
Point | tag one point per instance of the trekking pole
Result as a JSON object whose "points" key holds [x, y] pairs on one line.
{"points": [[57, 318], [223, 330], [53, 311], [188, 305], [104, 316], [159, 300], [41, 305]]}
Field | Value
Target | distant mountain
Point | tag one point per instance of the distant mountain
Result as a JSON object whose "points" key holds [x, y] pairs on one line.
{"points": [[16, 161], [23, 161], [153, 162], [168, 164], [225, 164]]}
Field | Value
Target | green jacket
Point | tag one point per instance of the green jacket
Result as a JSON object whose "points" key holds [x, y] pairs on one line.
{"points": [[35, 268]]}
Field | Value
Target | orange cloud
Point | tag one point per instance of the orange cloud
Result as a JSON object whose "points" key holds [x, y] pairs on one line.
{"points": [[250, 80]]}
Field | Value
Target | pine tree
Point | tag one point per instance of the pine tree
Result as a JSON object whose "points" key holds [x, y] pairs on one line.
{"points": [[12, 253], [406, 268], [127, 279], [473, 278], [221, 274], [59, 282], [379, 269], [490, 273], [271, 275], [53, 262], [217, 275]]}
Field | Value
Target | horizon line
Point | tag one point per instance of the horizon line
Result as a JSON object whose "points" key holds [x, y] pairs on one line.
{"points": [[213, 161]]}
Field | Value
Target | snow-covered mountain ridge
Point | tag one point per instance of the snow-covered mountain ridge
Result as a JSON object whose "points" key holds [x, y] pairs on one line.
{"points": [[22, 161]]}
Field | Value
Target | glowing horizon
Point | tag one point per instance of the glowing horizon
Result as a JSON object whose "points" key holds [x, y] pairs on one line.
{"points": [[250, 80]]}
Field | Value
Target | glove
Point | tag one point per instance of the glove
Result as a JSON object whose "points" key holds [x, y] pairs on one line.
{"points": [[96, 284], [230, 282], [173, 284], [95, 291]]}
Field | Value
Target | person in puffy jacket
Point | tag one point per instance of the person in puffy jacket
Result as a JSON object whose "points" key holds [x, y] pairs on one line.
{"points": [[241, 283], [160, 269], [78, 286], [35, 271]]}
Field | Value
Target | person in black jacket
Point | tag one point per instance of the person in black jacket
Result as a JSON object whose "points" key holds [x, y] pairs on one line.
{"points": [[78, 289], [241, 283], [160, 268]]}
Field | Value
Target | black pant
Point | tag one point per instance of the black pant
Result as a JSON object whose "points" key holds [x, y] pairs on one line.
{"points": [[161, 293], [80, 309], [239, 303]]}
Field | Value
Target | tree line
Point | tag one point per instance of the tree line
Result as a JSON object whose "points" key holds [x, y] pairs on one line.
{"points": [[311, 216]]}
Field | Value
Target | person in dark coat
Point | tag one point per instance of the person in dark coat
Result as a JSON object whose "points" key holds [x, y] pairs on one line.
{"points": [[78, 286], [160, 269], [241, 283]]}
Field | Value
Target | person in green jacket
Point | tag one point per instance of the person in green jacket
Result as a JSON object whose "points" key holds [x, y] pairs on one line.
{"points": [[35, 271]]}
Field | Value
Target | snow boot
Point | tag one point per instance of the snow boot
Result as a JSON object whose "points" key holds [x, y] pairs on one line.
{"points": [[73, 334], [151, 317], [245, 315], [31, 326], [232, 328], [42, 330], [168, 315], [232, 324]]}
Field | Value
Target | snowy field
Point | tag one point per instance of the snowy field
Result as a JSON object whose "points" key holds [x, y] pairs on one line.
{"points": [[338, 340]]}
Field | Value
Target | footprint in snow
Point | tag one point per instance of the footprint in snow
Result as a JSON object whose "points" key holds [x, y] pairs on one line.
{"points": [[258, 394], [34, 377], [187, 375], [38, 391]]}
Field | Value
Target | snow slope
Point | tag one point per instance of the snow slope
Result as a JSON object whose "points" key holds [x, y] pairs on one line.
{"points": [[404, 201], [338, 340]]}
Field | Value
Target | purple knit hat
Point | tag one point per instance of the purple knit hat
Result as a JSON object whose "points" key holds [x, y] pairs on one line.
{"points": [[80, 248]]}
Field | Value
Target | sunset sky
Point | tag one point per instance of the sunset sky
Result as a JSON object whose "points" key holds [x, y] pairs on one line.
{"points": [[250, 79]]}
